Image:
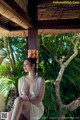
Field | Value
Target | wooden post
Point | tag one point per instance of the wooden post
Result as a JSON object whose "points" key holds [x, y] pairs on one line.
{"points": [[33, 45]]}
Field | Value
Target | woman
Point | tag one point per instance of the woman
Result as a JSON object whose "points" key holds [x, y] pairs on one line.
{"points": [[31, 90]]}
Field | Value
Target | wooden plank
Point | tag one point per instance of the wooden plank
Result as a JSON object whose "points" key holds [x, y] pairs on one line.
{"points": [[15, 9], [61, 23]]}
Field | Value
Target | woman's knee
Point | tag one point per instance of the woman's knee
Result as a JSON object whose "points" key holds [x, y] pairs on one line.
{"points": [[18, 100], [26, 106]]}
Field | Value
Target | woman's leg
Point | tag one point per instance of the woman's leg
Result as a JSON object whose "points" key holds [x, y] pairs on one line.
{"points": [[19, 107], [9, 114], [21, 117], [26, 110]]}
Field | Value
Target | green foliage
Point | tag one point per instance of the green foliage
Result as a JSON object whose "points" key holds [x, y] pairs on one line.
{"points": [[19, 48], [5, 85], [4, 70], [49, 101], [11, 48], [49, 98], [52, 46], [15, 45]]}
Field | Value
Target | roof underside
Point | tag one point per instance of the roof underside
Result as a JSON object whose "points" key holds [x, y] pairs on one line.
{"points": [[48, 16]]}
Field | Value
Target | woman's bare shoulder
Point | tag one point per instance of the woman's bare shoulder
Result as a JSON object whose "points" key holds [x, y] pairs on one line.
{"points": [[42, 80], [21, 78]]}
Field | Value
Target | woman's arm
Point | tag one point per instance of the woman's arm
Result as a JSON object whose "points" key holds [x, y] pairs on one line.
{"points": [[24, 97], [19, 86], [39, 98]]}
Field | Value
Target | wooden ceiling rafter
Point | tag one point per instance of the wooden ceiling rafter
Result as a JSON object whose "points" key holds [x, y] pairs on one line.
{"points": [[10, 25], [19, 16], [13, 28], [61, 23]]}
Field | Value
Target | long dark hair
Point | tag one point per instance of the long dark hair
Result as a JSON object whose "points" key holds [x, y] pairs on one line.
{"points": [[32, 61]]}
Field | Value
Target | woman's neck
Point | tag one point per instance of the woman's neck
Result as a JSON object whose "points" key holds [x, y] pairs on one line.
{"points": [[32, 75]]}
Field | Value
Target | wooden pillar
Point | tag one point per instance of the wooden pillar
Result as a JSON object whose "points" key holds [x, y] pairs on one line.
{"points": [[33, 45]]}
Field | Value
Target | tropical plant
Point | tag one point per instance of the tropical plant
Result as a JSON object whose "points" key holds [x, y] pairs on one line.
{"points": [[12, 54], [52, 49]]}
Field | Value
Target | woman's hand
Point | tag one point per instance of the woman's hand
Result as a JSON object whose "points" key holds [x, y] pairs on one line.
{"points": [[25, 97]]}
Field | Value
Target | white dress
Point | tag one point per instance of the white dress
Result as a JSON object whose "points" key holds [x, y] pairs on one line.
{"points": [[36, 111]]}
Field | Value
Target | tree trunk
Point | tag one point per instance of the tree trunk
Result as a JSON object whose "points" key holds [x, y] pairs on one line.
{"points": [[74, 104]]}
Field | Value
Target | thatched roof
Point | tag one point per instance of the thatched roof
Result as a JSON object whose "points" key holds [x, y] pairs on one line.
{"points": [[17, 16], [24, 33]]}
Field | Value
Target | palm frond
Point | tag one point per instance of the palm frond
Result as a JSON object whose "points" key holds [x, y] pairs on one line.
{"points": [[5, 85]]}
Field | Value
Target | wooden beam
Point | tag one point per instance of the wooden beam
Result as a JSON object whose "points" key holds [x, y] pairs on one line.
{"points": [[33, 10], [15, 28], [59, 7], [16, 9], [45, 1], [2, 25], [61, 23], [51, 1]]}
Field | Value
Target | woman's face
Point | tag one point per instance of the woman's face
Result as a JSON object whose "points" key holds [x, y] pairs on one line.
{"points": [[27, 66]]}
